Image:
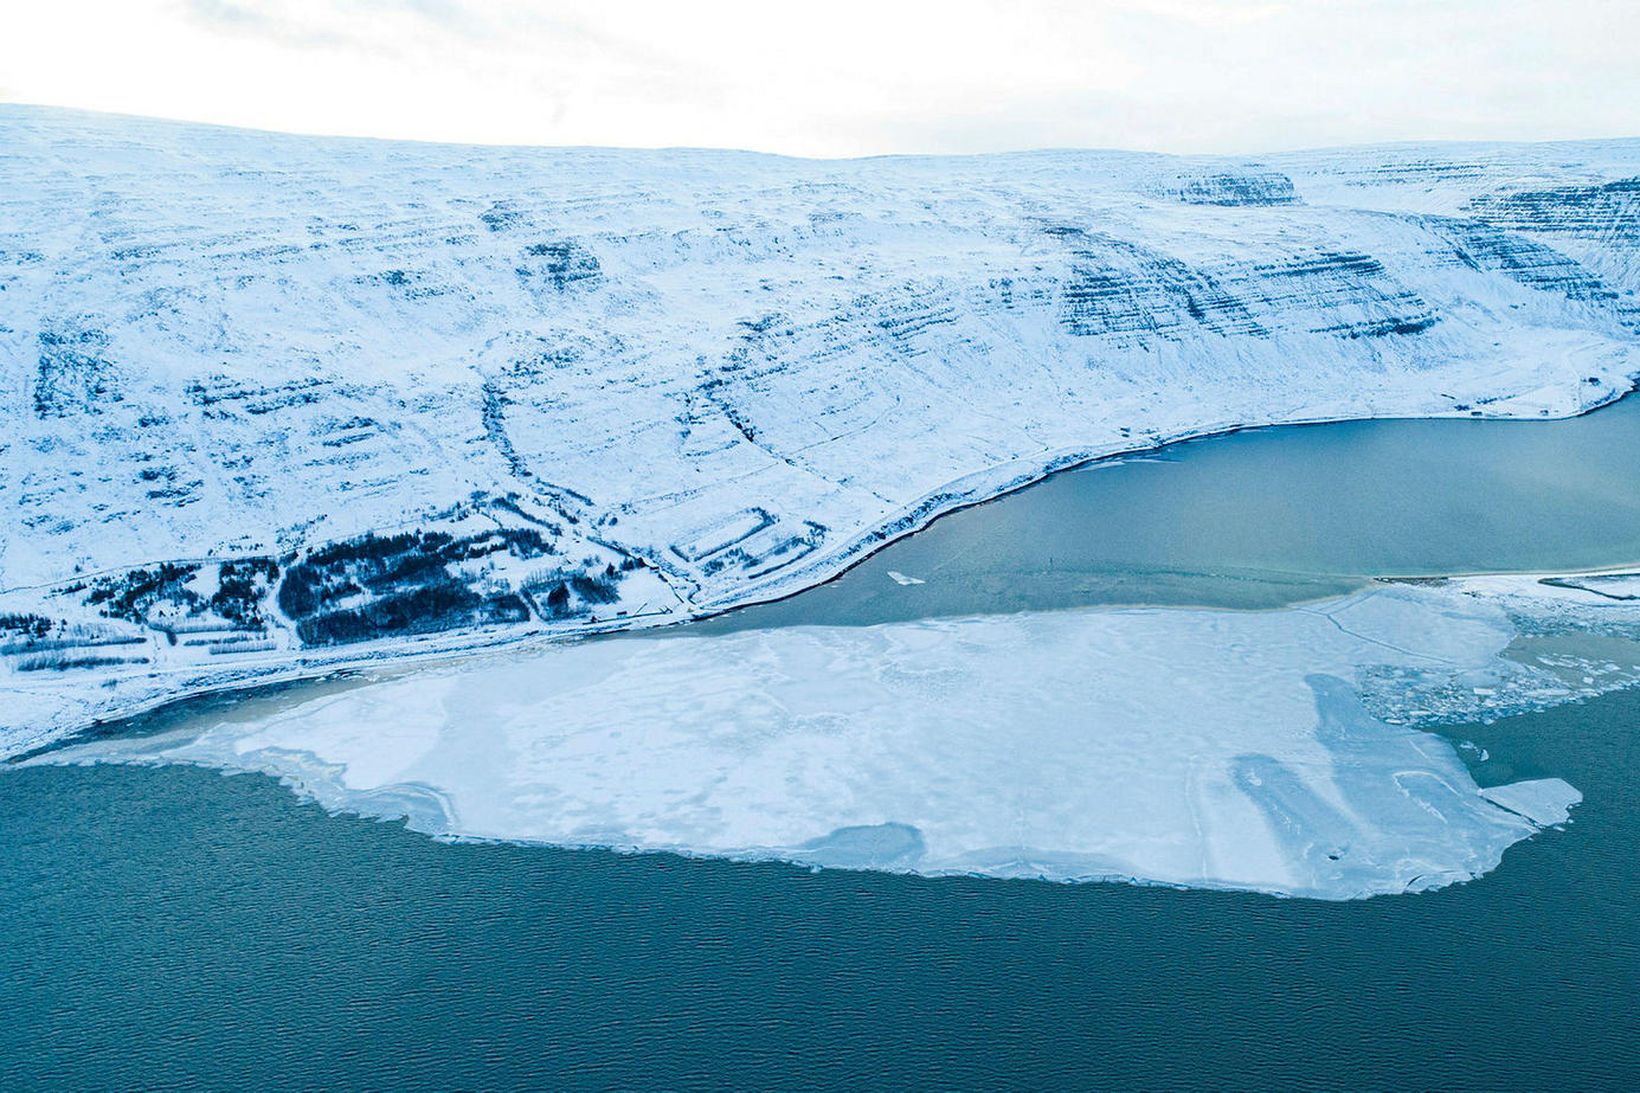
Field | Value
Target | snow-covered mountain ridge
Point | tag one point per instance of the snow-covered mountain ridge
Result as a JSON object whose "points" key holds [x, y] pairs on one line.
{"points": [[271, 402]]}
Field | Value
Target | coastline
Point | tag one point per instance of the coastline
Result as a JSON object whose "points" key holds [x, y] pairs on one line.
{"points": [[71, 712]]}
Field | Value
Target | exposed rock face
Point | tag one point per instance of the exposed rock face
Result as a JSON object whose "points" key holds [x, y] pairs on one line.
{"points": [[699, 378], [1234, 187]]}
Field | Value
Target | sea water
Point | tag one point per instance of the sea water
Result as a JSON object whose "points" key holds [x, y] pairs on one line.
{"points": [[169, 926]]}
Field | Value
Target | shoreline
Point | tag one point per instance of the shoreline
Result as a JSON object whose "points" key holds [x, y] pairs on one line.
{"points": [[318, 665]]}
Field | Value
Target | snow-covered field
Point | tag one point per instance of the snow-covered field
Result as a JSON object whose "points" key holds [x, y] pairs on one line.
{"points": [[271, 403], [1195, 747]]}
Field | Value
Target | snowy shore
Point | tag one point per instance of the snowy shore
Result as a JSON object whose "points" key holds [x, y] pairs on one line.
{"points": [[275, 405]]}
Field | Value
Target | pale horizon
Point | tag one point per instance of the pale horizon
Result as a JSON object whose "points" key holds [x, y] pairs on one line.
{"points": [[1172, 76]]}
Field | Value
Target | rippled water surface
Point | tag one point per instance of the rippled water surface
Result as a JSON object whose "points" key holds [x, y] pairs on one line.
{"points": [[177, 927], [173, 927]]}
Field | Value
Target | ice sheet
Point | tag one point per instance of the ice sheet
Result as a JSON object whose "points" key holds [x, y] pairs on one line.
{"points": [[1191, 747]]}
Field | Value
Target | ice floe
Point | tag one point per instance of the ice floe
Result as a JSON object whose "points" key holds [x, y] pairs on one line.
{"points": [[1544, 801], [1191, 747]]}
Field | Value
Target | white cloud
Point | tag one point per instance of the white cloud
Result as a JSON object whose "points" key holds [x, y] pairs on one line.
{"points": [[849, 76]]}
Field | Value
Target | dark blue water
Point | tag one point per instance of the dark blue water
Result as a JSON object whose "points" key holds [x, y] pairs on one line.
{"points": [[175, 928]]}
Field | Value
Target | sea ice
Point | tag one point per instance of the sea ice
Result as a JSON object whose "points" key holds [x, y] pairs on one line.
{"points": [[1544, 801], [1192, 747]]}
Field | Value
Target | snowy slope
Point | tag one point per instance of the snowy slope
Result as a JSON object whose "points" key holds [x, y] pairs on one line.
{"points": [[421, 396]]}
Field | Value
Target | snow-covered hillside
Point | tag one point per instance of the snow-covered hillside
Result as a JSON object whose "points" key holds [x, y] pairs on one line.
{"points": [[271, 402]]}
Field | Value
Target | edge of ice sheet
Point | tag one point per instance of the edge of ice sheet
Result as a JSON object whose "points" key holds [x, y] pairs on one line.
{"points": [[1544, 801], [1183, 747]]}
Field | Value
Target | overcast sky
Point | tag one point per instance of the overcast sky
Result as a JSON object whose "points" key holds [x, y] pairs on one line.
{"points": [[846, 77]]}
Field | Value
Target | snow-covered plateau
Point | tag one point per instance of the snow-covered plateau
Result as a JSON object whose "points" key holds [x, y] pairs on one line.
{"points": [[271, 404]]}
